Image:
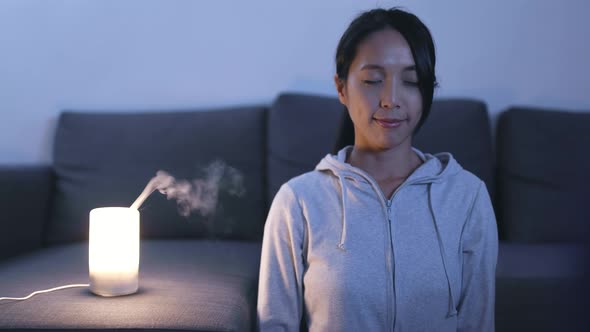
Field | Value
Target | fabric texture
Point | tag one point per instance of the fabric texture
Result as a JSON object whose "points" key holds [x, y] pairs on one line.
{"points": [[190, 285], [471, 138], [108, 159], [301, 130], [26, 194], [548, 260], [543, 176], [339, 256], [543, 287]]}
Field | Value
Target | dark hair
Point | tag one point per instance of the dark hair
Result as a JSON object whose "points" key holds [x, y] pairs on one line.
{"points": [[418, 38]]}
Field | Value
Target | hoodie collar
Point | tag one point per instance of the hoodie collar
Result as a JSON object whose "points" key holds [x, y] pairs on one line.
{"points": [[435, 168]]}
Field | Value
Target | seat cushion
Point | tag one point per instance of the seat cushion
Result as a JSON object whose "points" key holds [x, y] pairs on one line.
{"points": [[185, 285], [107, 159], [542, 287], [551, 260], [543, 177]]}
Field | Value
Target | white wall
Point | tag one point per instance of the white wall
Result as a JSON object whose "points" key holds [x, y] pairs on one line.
{"points": [[154, 55]]}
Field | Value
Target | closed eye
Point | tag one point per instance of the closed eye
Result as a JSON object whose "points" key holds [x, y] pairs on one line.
{"points": [[372, 82], [411, 83]]}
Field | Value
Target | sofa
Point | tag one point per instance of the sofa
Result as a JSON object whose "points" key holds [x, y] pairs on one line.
{"points": [[200, 273]]}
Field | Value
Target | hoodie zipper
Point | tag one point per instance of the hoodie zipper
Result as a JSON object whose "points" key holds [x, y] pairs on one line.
{"points": [[391, 266], [391, 254], [386, 203], [392, 317]]}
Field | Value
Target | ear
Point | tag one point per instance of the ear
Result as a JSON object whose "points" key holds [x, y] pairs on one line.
{"points": [[341, 88]]}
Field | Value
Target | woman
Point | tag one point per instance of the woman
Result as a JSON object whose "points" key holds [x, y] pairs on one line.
{"points": [[380, 236]]}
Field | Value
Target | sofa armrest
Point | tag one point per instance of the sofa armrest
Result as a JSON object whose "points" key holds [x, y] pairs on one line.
{"points": [[25, 194]]}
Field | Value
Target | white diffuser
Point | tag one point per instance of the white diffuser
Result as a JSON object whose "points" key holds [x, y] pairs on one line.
{"points": [[113, 259]]}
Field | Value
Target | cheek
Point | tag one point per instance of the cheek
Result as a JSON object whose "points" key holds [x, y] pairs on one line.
{"points": [[414, 96], [416, 118], [415, 99], [363, 98], [414, 106]]}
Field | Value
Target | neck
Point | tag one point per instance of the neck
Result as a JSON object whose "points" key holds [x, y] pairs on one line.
{"points": [[394, 164]]}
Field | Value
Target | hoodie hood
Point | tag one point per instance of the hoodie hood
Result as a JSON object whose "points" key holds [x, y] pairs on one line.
{"points": [[436, 169]]}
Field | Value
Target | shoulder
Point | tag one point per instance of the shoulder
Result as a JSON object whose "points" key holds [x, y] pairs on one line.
{"points": [[464, 181], [477, 197], [463, 189], [468, 179], [294, 198], [310, 183], [305, 191], [453, 176]]}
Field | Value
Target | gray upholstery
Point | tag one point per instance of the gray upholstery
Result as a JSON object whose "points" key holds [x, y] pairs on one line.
{"points": [[543, 273], [302, 129], [461, 127], [107, 159], [543, 287], [193, 285], [544, 178], [25, 194], [551, 260]]}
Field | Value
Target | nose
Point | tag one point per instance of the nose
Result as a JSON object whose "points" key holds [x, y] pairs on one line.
{"points": [[390, 96]]}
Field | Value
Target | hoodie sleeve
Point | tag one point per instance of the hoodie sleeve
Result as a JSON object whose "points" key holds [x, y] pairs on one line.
{"points": [[280, 288], [480, 253]]}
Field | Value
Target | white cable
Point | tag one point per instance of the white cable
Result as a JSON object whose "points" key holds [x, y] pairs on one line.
{"points": [[43, 291]]}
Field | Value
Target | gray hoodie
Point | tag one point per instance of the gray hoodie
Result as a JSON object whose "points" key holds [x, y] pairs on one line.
{"points": [[338, 256]]}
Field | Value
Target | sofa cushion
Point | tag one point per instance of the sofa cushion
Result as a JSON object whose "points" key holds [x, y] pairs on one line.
{"points": [[543, 177], [551, 260], [107, 159], [542, 287], [302, 129], [25, 193], [461, 127], [184, 285]]}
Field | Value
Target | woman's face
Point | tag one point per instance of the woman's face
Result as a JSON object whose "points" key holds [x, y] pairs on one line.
{"points": [[381, 92]]}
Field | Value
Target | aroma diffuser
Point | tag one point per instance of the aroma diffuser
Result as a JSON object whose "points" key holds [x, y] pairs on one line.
{"points": [[113, 259]]}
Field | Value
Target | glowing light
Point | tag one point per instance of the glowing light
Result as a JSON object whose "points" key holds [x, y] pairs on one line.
{"points": [[113, 259]]}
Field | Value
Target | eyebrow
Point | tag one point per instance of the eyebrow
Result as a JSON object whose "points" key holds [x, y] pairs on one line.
{"points": [[378, 67]]}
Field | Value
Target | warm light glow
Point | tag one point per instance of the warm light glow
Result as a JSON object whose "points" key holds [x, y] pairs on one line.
{"points": [[113, 259]]}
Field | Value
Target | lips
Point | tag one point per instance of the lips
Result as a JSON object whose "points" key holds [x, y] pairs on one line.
{"points": [[389, 123]]}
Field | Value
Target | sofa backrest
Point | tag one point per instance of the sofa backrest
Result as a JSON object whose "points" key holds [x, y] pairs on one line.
{"points": [[461, 127], [103, 159], [107, 159], [302, 129], [543, 175]]}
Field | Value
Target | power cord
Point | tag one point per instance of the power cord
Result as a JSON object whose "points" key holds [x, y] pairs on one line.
{"points": [[43, 291]]}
